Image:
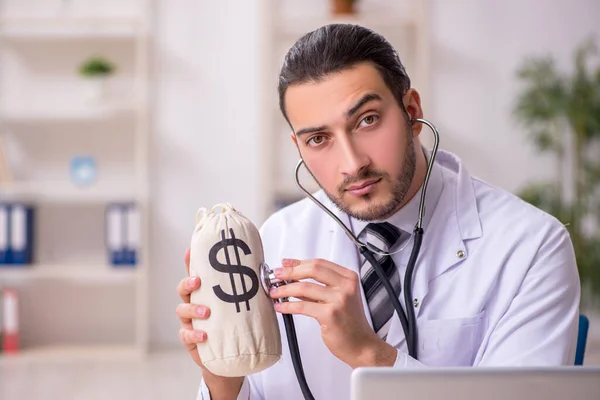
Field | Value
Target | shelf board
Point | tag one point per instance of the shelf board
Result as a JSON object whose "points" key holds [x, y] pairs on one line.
{"points": [[76, 115], [80, 273], [296, 27], [75, 353], [60, 28], [65, 192]]}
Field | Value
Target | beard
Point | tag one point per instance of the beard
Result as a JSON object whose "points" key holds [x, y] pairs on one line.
{"points": [[400, 185]]}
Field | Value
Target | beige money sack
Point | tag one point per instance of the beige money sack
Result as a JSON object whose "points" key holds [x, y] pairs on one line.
{"points": [[242, 332]]}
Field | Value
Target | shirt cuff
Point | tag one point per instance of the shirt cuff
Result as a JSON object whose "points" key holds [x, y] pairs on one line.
{"points": [[204, 394], [403, 360], [400, 360]]}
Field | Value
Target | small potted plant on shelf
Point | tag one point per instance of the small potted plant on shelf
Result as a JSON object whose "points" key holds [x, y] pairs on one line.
{"points": [[96, 70], [343, 7]]}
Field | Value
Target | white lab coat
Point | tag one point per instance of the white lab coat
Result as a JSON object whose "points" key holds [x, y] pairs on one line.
{"points": [[496, 283]]}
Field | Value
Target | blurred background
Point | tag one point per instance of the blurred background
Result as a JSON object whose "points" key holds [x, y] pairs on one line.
{"points": [[120, 118]]}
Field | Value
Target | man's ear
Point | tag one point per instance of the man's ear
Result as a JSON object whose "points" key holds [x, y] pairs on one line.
{"points": [[412, 105]]}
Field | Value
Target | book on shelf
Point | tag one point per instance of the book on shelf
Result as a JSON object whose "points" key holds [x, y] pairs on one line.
{"points": [[122, 233], [16, 234]]}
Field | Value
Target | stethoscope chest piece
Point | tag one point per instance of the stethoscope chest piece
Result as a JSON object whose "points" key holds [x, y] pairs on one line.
{"points": [[269, 281]]}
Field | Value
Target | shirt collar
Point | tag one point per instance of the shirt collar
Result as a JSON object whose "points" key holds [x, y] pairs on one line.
{"points": [[406, 218]]}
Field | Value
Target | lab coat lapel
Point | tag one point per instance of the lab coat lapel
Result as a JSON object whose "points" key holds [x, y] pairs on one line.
{"points": [[444, 249], [445, 241], [438, 253], [454, 222]]}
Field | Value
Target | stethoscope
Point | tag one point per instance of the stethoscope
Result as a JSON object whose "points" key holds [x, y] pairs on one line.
{"points": [[408, 320]]}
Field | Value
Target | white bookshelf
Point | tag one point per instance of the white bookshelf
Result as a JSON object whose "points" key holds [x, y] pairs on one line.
{"points": [[65, 192], [61, 28], [43, 118], [82, 114], [85, 274], [74, 353], [404, 24]]}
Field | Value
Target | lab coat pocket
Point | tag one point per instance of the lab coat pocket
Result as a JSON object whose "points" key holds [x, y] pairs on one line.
{"points": [[451, 342]]}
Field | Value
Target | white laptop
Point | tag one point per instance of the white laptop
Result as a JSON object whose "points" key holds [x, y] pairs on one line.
{"points": [[480, 383]]}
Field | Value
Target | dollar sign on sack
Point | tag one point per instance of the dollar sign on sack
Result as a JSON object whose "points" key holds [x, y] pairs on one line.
{"points": [[233, 268]]}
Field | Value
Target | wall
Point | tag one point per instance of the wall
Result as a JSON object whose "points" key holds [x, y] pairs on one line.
{"points": [[477, 47], [206, 70], [205, 55]]}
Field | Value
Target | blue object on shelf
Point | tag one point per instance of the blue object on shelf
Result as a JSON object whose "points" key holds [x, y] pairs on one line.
{"points": [[122, 234], [83, 170], [132, 241], [16, 234], [21, 234], [4, 233], [115, 234]]}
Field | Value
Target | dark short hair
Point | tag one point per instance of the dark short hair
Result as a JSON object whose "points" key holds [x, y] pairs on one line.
{"points": [[335, 47]]}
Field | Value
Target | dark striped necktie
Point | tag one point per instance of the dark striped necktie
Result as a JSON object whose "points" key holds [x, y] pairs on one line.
{"points": [[383, 236]]}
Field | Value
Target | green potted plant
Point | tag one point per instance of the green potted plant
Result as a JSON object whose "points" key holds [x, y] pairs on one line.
{"points": [[557, 108], [96, 70]]}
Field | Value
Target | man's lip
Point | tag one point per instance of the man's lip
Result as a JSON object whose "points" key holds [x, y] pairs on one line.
{"points": [[362, 185]]}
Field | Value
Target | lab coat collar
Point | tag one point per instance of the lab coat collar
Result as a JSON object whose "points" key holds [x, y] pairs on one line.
{"points": [[467, 213]]}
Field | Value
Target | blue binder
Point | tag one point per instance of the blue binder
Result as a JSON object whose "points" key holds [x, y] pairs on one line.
{"points": [[122, 234], [132, 241], [4, 233], [115, 234], [21, 224]]}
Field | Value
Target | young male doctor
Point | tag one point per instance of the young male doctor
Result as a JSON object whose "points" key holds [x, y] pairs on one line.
{"points": [[496, 282]]}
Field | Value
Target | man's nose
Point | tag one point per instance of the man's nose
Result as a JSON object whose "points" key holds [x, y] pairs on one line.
{"points": [[352, 158]]}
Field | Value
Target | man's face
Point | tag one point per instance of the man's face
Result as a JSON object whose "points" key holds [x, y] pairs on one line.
{"points": [[355, 140]]}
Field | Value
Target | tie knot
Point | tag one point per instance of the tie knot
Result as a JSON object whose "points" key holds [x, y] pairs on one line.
{"points": [[382, 235]]}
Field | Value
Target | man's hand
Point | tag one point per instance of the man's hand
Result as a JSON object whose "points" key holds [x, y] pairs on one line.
{"points": [[219, 387], [335, 302], [186, 311]]}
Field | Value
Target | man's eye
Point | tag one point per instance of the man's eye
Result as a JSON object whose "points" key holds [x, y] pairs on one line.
{"points": [[316, 140], [369, 120]]}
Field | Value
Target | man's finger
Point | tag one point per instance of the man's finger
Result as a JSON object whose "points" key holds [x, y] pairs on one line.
{"points": [[290, 262], [186, 323], [337, 268], [187, 312], [308, 308], [190, 337], [318, 270], [305, 290], [187, 286]]}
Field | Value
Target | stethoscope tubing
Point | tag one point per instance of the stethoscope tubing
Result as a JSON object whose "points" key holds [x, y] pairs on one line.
{"points": [[369, 256], [407, 320]]}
